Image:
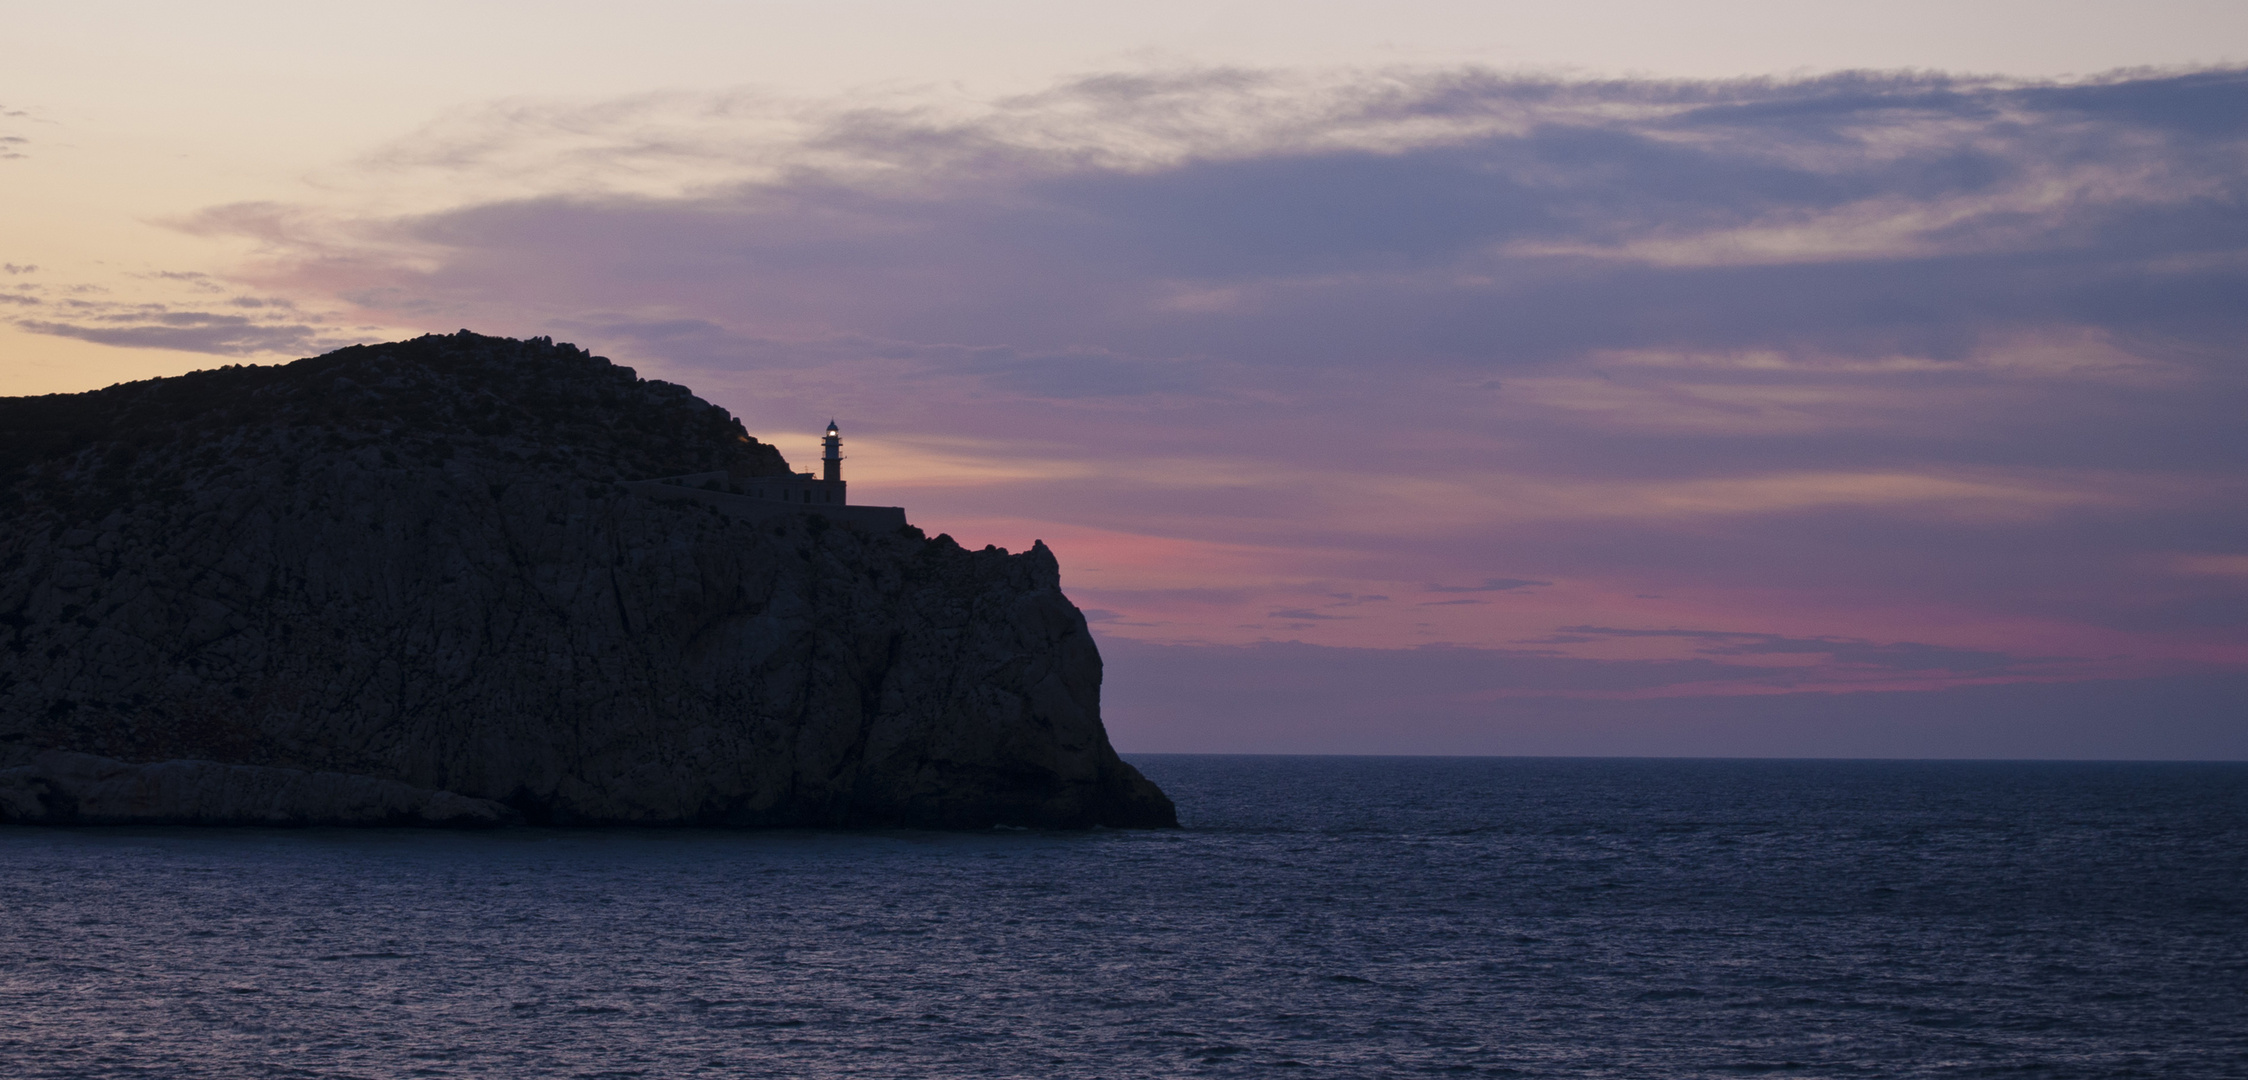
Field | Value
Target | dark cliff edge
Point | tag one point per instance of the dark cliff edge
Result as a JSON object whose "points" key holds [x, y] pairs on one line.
{"points": [[406, 584]]}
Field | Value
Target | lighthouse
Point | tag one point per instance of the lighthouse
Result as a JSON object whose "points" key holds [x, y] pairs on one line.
{"points": [[752, 497]]}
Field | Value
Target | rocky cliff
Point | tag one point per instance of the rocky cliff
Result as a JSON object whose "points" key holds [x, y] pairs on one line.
{"points": [[406, 582]]}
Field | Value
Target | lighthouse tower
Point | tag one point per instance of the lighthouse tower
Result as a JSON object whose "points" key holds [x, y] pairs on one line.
{"points": [[833, 460]]}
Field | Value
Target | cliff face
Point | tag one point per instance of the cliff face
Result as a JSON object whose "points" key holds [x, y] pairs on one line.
{"points": [[415, 564]]}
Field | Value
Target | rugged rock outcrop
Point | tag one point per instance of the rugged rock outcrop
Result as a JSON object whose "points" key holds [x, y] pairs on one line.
{"points": [[264, 593], [60, 787]]}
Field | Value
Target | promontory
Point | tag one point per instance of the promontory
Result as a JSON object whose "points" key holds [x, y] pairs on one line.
{"points": [[471, 580]]}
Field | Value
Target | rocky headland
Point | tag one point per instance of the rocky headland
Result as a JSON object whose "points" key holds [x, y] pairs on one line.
{"points": [[410, 584]]}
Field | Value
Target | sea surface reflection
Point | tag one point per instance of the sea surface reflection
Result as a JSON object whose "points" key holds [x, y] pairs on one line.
{"points": [[1344, 917]]}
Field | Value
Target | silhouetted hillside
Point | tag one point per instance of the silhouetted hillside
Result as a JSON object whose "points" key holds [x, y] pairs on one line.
{"points": [[554, 407], [405, 583]]}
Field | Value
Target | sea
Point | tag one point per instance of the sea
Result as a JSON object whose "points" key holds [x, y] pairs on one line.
{"points": [[1315, 917]]}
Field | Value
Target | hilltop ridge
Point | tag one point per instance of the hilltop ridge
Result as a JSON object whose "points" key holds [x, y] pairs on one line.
{"points": [[423, 398]]}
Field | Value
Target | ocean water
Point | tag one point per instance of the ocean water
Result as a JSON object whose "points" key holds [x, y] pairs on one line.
{"points": [[1339, 917]]}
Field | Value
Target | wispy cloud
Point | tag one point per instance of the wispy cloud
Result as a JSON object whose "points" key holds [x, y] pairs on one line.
{"points": [[1894, 656], [1489, 585], [1302, 613], [194, 331], [12, 146]]}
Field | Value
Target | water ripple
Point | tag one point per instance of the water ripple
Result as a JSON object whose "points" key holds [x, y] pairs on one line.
{"points": [[1319, 917]]}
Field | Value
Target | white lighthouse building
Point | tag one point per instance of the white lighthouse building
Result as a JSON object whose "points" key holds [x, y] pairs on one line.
{"points": [[763, 496]]}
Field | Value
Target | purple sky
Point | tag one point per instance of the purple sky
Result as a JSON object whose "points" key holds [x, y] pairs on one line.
{"points": [[1436, 411]]}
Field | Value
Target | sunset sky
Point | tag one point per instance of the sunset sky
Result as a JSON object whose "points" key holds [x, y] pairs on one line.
{"points": [[1736, 378]]}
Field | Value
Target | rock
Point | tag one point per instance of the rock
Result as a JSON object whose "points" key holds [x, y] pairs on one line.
{"points": [[61, 788], [417, 564]]}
